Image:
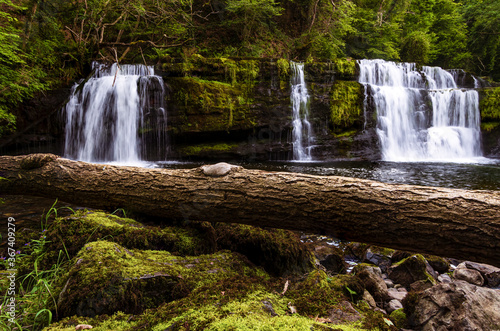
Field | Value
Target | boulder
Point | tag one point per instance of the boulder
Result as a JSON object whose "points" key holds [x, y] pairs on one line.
{"points": [[444, 278], [371, 277], [457, 306], [438, 263], [398, 294], [381, 257], [469, 275], [106, 277], [334, 263], [393, 305], [412, 269], [279, 252], [369, 299], [490, 273], [400, 255]]}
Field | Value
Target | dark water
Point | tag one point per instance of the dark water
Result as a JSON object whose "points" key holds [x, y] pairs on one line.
{"points": [[472, 176]]}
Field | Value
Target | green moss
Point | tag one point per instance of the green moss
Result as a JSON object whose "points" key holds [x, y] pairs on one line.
{"points": [[489, 126], [346, 104], [207, 148], [398, 317], [490, 105], [279, 252], [210, 106], [69, 234], [345, 66], [315, 296], [283, 69], [116, 322], [106, 277]]}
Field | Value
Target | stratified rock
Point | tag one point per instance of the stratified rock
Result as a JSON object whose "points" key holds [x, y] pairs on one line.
{"points": [[490, 273], [457, 306], [412, 269], [371, 277], [469, 275]]}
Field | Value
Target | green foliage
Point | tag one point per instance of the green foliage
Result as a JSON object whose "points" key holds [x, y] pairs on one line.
{"points": [[449, 48], [331, 23], [250, 17], [483, 20], [416, 48]]}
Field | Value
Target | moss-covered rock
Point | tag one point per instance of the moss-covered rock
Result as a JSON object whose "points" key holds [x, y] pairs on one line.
{"points": [[398, 317], [106, 277], [490, 108], [279, 252], [490, 120], [346, 105], [412, 269], [66, 236], [209, 106]]}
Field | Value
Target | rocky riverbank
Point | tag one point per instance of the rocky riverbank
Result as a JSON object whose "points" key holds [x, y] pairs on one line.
{"points": [[116, 273]]}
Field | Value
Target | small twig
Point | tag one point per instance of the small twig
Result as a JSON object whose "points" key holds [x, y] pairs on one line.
{"points": [[285, 288], [140, 48], [117, 65]]}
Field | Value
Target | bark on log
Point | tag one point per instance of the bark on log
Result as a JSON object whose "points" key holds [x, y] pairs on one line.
{"points": [[447, 222]]}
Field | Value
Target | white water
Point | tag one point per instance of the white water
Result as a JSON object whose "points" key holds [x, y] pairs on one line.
{"points": [[422, 115], [302, 136], [105, 115]]}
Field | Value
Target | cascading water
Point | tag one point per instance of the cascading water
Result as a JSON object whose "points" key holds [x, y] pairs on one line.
{"points": [[302, 137], [422, 115], [109, 117]]}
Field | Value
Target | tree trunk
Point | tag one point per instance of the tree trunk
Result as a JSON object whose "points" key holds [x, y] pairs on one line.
{"points": [[447, 222]]}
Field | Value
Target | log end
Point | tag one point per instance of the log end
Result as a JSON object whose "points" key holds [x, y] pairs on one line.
{"points": [[219, 169], [35, 161]]}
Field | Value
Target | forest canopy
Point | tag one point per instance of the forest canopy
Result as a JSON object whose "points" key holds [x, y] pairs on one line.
{"points": [[49, 43]]}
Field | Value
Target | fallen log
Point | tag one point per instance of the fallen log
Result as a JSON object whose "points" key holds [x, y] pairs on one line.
{"points": [[448, 222]]}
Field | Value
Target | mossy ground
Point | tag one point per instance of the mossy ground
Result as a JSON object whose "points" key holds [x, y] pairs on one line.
{"points": [[124, 275]]}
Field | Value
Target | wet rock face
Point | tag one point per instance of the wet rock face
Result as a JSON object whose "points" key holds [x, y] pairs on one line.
{"points": [[457, 306]]}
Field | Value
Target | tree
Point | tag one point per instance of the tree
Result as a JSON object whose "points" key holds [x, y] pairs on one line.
{"points": [[483, 19], [379, 28], [330, 23], [450, 36]]}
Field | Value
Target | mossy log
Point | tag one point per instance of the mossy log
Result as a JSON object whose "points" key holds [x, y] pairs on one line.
{"points": [[447, 222]]}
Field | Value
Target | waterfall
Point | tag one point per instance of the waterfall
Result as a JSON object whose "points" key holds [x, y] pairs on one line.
{"points": [[302, 137], [421, 114], [112, 115]]}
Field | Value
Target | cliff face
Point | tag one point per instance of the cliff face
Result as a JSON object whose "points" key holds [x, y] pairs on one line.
{"points": [[241, 109]]}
